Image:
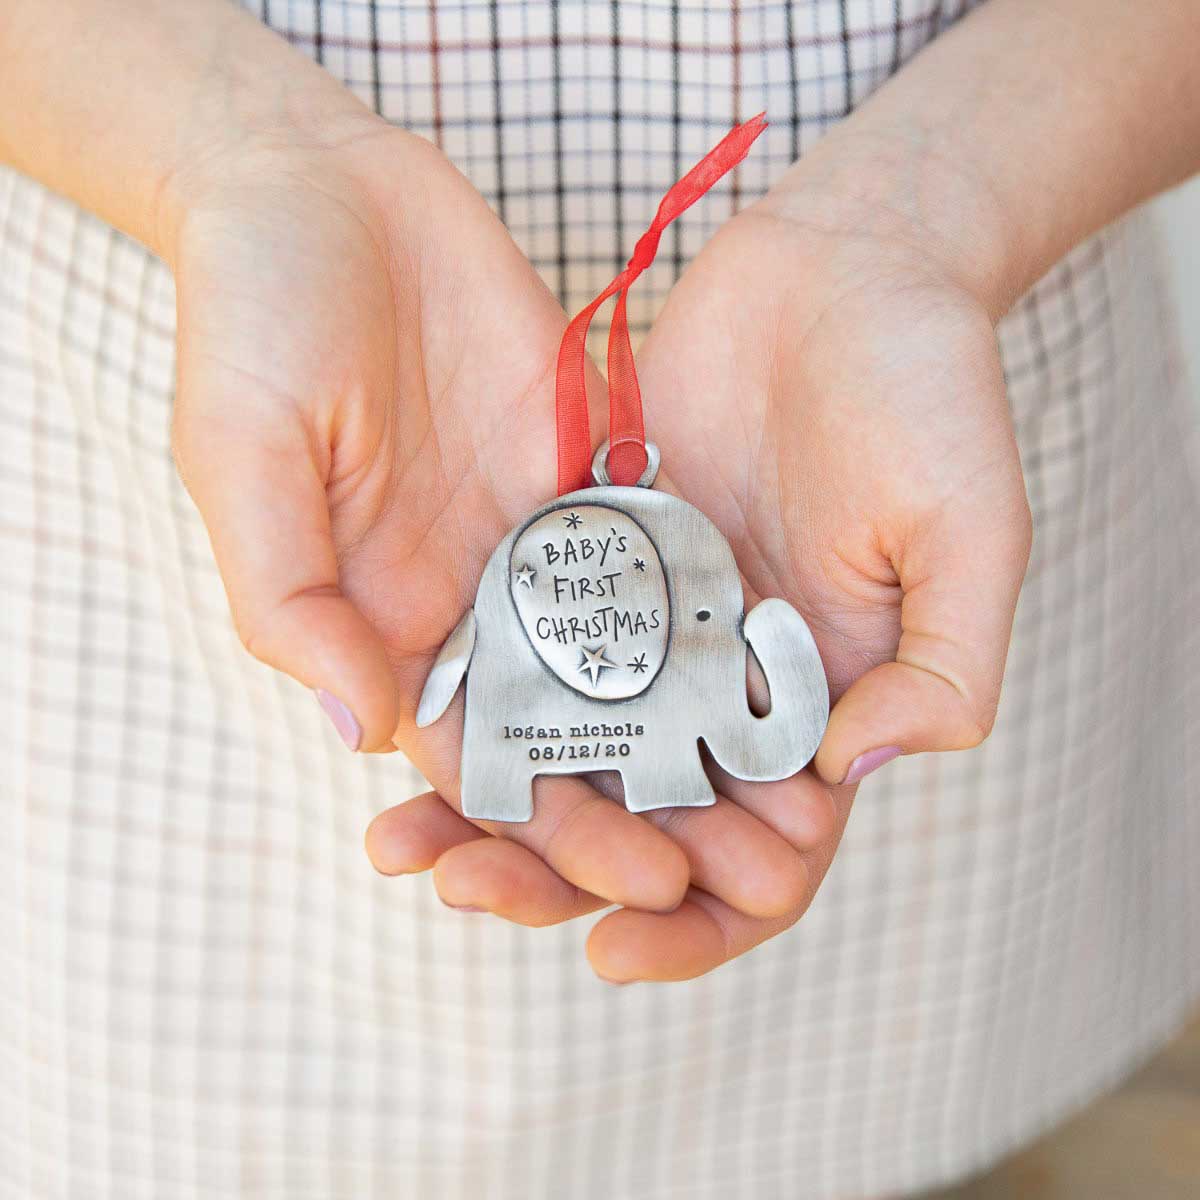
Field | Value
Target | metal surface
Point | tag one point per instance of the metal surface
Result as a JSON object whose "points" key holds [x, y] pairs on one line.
{"points": [[447, 671], [580, 705], [591, 596], [600, 465]]}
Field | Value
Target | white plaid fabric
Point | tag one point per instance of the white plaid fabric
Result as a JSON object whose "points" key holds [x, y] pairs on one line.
{"points": [[205, 992]]}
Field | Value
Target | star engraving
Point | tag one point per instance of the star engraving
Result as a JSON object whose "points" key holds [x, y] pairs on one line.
{"points": [[638, 664], [573, 521], [594, 662], [525, 575], [639, 564]]}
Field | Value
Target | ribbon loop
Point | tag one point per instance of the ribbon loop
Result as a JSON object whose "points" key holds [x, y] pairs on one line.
{"points": [[627, 435]]}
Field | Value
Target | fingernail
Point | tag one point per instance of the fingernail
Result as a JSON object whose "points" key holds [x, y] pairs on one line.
{"points": [[464, 907], [343, 720], [616, 982], [870, 760]]}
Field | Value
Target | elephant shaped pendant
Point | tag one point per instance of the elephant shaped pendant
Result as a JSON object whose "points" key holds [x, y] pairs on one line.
{"points": [[609, 634]]}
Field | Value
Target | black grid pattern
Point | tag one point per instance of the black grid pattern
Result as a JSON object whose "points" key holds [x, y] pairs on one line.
{"points": [[573, 119], [204, 993]]}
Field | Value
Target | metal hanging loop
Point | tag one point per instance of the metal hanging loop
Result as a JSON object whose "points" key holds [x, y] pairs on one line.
{"points": [[646, 479]]}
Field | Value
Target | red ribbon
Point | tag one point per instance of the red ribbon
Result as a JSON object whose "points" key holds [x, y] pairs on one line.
{"points": [[627, 435]]}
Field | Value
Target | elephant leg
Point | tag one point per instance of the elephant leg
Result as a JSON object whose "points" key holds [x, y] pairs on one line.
{"points": [[676, 781], [499, 788]]}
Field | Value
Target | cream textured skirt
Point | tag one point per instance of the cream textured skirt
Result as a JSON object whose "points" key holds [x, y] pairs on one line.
{"points": [[205, 992]]}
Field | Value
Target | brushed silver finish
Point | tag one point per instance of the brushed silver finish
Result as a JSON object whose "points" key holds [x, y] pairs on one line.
{"points": [[600, 465], [523, 718], [591, 595], [447, 671]]}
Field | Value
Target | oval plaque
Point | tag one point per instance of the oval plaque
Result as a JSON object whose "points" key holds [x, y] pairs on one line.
{"points": [[591, 594]]}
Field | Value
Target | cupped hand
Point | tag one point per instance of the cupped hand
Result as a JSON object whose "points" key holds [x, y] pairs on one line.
{"points": [[830, 393], [365, 407]]}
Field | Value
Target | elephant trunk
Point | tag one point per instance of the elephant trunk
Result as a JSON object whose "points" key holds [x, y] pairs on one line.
{"points": [[784, 741]]}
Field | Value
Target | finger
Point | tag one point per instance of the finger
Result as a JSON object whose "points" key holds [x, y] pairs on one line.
{"points": [[733, 856], [750, 849], [700, 935], [498, 876], [647, 861], [412, 836], [587, 838], [803, 810], [704, 931], [600, 847], [415, 835], [255, 480], [732, 853], [960, 588]]}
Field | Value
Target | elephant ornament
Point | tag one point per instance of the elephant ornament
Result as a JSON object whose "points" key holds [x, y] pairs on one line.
{"points": [[609, 634]]}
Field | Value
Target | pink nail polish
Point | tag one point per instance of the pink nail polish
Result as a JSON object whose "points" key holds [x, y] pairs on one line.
{"points": [[870, 760], [343, 720]]}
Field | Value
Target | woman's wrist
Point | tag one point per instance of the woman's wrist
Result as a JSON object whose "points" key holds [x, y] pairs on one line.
{"points": [[1015, 135], [248, 140], [894, 197], [126, 106], [263, 107]]}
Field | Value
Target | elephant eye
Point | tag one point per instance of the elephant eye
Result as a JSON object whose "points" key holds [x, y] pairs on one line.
{"points": [[702, 614]]}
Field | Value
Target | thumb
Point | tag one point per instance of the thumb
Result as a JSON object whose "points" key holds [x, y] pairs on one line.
{"points": [[960, 585], [252, 471]]}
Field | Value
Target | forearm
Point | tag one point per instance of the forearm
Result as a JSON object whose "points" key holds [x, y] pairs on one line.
{"points": [[107, 101], [1017, 134]]}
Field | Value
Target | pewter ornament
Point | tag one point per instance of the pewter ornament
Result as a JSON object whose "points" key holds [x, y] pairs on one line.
{"points": [[609, 634]]}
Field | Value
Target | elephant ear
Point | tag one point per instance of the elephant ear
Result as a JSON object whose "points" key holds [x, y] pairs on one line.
{"points": [[448, 670]]}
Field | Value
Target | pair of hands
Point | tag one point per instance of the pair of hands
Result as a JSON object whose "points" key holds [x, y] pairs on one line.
{"points": [[365, 408]]}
